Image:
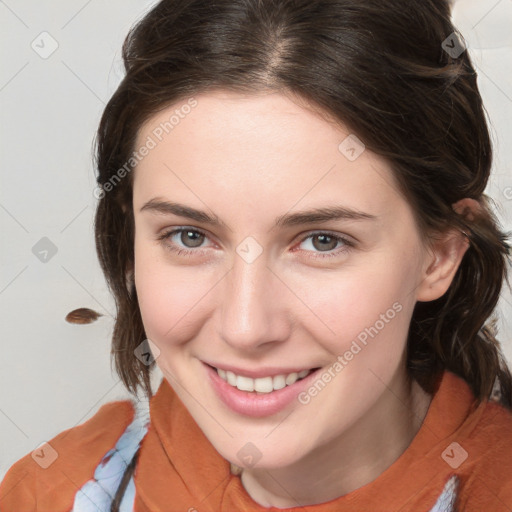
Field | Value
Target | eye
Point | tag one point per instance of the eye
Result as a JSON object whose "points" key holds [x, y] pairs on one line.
{"points": [[188, 235], [192, 239], [327, 242]]}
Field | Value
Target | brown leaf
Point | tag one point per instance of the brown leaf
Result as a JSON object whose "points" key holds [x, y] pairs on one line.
{"points": [[82, 316]]}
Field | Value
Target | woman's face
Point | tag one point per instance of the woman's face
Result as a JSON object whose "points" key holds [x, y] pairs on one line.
{"points": [[261, 291]]}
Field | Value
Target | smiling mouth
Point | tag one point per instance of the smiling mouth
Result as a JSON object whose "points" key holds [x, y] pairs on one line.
{"points": [[261, 385]]}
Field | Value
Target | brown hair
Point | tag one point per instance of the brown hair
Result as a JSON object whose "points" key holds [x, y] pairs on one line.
{"points": [[381, 67]]}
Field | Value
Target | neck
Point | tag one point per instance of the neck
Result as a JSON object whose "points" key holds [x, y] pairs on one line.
{"points": [[350, 461]]}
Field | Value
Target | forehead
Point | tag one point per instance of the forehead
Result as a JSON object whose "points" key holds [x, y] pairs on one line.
{"points": [[258, 145], [269, 115]]}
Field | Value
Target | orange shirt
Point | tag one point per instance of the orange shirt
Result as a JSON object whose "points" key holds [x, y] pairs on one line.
{"points": [[179, 470]]}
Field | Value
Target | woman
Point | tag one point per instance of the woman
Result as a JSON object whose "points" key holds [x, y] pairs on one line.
{"points": [[355, 376]]}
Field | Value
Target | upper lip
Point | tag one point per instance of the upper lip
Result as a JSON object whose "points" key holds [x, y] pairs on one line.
{"points": [[260, 372]]}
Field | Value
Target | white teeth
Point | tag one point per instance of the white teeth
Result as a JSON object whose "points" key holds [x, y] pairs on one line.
{"points": [[262, 384], [279, 382], [290, 379], [231, 378], [244, 383]]}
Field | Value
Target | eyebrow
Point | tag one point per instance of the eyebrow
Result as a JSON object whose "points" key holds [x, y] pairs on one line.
{"points": [[312, 216]]}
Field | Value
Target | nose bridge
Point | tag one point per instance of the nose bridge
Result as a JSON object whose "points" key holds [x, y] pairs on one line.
{"points": [[248, 305]]}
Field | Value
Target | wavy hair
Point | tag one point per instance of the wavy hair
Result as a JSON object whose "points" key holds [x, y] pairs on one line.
{"points": [[384, 69]]}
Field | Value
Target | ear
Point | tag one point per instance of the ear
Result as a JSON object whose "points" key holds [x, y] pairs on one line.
{"points": [[445, 256]]}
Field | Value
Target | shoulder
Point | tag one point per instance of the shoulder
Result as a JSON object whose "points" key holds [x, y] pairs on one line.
{"points": [[48, 477], [487, 467], [493, 431], [496, 417]]}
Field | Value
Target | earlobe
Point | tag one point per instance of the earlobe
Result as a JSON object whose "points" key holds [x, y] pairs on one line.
{"points": [[446, 255]]}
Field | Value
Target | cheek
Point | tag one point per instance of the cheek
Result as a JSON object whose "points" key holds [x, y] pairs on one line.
{"points": [[169, 298], [372, 302]]}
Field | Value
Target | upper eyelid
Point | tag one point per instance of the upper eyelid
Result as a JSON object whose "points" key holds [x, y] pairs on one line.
{"points": [[178, 229], [303, 236]]}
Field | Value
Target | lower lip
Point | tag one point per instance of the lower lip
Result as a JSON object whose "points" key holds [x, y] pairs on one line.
{"points": [[253, 404]]}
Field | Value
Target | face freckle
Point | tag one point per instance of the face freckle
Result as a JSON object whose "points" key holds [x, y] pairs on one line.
{"points": [[260, 296]]}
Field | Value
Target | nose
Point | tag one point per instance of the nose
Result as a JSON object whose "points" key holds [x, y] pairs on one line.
{"points": [[253, 315]]}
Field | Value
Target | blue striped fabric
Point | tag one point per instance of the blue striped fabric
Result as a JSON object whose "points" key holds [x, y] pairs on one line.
{"points": [[446, 502], [97, 494]]}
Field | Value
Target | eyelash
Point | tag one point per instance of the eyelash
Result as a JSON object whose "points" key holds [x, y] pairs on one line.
{"points": [[334, 252]]}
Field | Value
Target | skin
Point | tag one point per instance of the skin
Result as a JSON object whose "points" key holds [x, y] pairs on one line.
{"points": [[248, 159]]}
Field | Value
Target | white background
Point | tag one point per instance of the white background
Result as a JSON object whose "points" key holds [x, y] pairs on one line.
{"points": [[55, 375]]}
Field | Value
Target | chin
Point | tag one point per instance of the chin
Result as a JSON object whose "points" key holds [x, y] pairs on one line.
{"points": [[261, 455]]}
